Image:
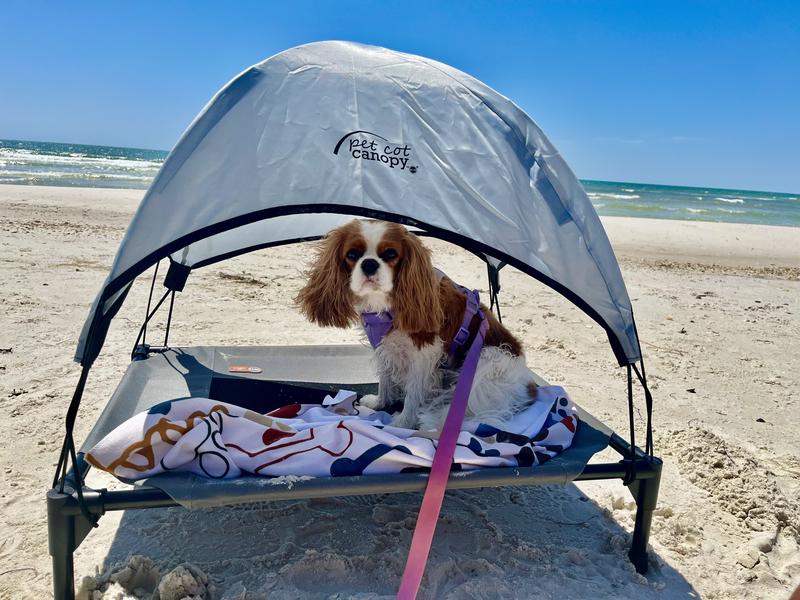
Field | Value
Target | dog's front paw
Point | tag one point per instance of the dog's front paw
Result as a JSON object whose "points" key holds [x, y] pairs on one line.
{"points": [[404, 420], [372, 401]]}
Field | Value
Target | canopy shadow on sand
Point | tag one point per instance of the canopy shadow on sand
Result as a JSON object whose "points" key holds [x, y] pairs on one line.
{"points": [[543, 541]]}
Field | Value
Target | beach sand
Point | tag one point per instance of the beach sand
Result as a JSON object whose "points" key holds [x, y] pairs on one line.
{"points": [[718, 312]]}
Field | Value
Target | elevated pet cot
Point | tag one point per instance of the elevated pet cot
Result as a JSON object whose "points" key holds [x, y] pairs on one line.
{"points": [[289, 149]]}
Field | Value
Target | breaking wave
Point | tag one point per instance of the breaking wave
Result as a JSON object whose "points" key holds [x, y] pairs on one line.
{"points": [[614, 196], [45, 163]]}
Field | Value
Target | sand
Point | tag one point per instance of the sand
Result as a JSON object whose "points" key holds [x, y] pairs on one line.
{"points": [[718, 310]]}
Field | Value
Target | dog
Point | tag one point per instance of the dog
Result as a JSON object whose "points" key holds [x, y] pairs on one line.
{"points": [[380, 267]]}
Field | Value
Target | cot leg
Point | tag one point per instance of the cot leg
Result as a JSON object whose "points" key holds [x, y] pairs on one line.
{"points": [[65, 532], [61, 541], [645, 493], [63, 577]]}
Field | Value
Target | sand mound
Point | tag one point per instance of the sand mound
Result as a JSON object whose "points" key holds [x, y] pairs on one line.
{"points": [[747, 490], [138, 578], [736, 480], [184, 581]]}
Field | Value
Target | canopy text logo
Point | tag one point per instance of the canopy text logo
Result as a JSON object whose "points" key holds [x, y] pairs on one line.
{"points": [[365, 145]]}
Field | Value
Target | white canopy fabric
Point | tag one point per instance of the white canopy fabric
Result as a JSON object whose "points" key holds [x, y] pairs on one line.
{"points": [[299, 143]]}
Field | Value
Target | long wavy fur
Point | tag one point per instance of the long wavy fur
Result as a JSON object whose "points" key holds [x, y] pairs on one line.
{"points": [[326, 298]]}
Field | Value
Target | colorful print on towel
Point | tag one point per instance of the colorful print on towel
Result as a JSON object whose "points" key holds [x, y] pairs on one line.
{"points": [[220, 440]]}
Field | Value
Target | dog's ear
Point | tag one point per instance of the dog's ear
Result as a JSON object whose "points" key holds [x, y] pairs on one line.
{"points": [[415, 290], [326, 298]]}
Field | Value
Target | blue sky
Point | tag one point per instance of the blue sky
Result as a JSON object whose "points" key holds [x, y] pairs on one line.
{"points": [[686, 93]]}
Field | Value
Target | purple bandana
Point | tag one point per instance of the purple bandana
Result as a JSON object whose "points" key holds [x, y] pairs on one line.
{"points": [[377, 326]]}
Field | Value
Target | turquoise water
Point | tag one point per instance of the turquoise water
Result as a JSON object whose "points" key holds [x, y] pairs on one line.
{"points": [[48, 163], [693, 203]]}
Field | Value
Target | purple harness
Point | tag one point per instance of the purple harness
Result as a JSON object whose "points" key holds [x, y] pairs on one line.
{"points": [[378, 325]]}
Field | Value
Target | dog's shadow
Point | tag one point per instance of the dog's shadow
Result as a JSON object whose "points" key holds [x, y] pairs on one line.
{"points": [[541, 541]]}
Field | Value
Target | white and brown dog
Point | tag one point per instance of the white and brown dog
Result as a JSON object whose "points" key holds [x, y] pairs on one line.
{"points": [[374, 266]]}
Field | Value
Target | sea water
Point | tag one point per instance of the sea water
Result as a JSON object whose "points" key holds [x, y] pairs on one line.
{"points": [[49, 163], [693, 203]]}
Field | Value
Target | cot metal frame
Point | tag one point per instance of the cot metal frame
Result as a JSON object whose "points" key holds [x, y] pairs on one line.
{"points": [[70, 518]]}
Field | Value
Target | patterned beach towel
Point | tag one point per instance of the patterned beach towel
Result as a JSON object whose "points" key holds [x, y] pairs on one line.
{"points": [[220, 440]]}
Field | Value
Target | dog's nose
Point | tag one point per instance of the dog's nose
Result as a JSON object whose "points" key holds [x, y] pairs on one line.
{"points": [[369, 266]]}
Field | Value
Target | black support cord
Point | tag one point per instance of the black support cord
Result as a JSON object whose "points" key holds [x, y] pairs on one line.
{"points": [[169, 319], [69, 422], [648, 399], [649, 403], [79, 487], [147, 319], [631, 476], [68, 451], [495, 303], [61, 468], [493, 274], [147, 312]]}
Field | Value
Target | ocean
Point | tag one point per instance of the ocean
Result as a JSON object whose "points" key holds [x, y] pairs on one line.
{"points": [[49, 163], [79, 165]]}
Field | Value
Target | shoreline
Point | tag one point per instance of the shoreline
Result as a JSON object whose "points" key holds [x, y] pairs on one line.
{"points": [[749, 246], [689, 242], [607, 203]]}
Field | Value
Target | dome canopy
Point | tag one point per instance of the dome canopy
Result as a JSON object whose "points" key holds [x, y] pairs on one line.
{"points": [[301, 142]]}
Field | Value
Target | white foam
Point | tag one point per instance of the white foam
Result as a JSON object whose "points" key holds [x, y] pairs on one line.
{"points": [[26, 157], [614, 196], [25, 166], [734, 200], [33, 175]]}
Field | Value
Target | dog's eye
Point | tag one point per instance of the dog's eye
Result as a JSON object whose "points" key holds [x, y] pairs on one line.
{"points": [[389, 254], [353, 254]]}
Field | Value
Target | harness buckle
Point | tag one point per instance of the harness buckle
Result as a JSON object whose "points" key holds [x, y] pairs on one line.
{"points": [[461, 337]]}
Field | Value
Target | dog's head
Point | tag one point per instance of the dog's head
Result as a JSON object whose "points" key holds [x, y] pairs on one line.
{"points": [[372, 266]]}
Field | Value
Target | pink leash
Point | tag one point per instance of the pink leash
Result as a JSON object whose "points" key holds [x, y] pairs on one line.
{"points": [[440, 471]]}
